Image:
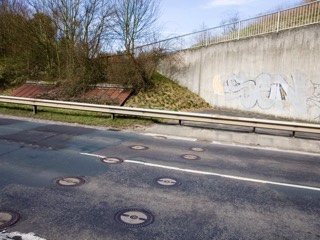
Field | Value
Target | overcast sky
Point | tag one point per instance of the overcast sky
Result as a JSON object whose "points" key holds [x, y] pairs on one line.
{"points": [[184, 16]]}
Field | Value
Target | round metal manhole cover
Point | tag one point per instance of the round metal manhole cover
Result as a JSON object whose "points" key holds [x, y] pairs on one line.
{"points": [[139, 147], [190, 157], [167, 181], [70, 181], [8, 218], [197, 149], [111, 160], [134, 217]]}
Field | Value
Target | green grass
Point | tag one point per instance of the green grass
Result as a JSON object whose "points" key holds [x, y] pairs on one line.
{"points": [[165, 94], [73, 116]]}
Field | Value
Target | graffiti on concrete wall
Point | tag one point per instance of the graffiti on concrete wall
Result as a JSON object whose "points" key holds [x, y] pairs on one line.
{"points": [[262, 92], [314, 100]]}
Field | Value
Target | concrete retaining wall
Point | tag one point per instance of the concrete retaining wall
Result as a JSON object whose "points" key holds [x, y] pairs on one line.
{"points": [[276, 74]]}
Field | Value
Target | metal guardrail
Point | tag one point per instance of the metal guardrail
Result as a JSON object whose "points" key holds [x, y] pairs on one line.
{"points": [[294, 17], [180, 116]]}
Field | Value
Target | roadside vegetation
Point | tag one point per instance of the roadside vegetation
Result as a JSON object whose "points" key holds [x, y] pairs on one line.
{"points": [[78, 43], [162, 93], [73, 116], [165, 94]]}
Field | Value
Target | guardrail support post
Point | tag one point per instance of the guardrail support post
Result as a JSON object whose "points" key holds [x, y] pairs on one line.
{"points": [[112, 116], [180, 122], [35, 110]]}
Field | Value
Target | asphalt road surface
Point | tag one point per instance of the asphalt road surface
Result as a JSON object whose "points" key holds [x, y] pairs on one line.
{"points": [[70, 182]]}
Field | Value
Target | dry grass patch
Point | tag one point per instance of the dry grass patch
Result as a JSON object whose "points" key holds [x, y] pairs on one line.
{"points": [[165, 94]]}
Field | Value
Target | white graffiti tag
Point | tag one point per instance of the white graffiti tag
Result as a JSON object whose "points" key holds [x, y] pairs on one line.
{"points": [[314, 100], [262, 92]]}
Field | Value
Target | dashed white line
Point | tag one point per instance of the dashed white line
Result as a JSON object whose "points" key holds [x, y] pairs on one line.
{"points": [[223, 175], [93, 155]]}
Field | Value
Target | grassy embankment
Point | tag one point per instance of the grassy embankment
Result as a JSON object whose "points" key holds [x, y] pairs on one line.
{"points": [[164, 94]]}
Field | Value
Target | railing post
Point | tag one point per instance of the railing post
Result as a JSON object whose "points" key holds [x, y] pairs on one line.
{"points": [[35, 110], [207, 38], [239, 26], [278, 21]]}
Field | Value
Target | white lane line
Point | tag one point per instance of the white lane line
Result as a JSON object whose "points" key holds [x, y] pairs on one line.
{"points": [[17, 235], [223, 175], [93, 155], [170, 137]]}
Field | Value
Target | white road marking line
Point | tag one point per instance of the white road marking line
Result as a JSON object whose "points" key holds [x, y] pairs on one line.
{"points": [[213, 174], [18, 235], [170, 137], [224, 176], [93, 155]]}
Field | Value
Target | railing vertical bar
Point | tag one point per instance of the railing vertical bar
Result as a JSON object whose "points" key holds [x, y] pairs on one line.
{"points": [[306, 16], [206, 38], [313, 11], [316, 16], [278, 21], [310, 15], [287, 19], [302, 15]]}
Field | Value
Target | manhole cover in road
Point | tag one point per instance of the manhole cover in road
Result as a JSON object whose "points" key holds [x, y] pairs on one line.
{"points": [[8, 218], [134, 217], [111, 160], [70, 181], [197, 149], [190, 157], [167, 181], [139, 147]]}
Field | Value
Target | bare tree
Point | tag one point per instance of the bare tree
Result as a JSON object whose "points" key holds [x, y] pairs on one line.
{"points": [[203, 36], [96, 22], [81, 30], [230, 22], [81, 25], [134, 21]]}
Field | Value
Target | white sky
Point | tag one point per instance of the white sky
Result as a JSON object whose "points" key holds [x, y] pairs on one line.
{"points": [[185, 16]]}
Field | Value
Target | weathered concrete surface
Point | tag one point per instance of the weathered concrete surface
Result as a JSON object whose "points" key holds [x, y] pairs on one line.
{"points": [[276, 74]]}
